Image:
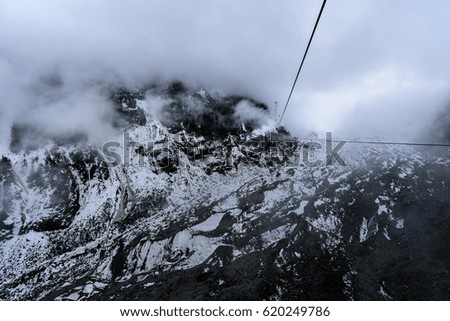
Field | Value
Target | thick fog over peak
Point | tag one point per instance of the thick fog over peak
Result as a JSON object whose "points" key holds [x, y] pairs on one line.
{"points": [[375, 69]]}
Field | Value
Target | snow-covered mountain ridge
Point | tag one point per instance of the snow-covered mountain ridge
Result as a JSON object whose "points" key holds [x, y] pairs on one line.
{"points": [[209, 201]]}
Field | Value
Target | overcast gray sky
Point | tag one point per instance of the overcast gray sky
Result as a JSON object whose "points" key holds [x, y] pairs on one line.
{"points": [[376, 67]]}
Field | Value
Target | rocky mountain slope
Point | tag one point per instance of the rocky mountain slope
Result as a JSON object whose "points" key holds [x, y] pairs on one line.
{"points": [[206, 202]]}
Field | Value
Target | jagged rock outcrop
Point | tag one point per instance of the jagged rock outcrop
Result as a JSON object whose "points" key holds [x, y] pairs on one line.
{"points": [[206, 203]]}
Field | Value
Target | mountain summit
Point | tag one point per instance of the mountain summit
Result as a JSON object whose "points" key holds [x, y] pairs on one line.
{"points": [[202, 198]]}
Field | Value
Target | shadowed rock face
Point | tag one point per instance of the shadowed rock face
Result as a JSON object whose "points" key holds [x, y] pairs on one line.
{"points": [[207, 115], [216, 212], [26, 137]]}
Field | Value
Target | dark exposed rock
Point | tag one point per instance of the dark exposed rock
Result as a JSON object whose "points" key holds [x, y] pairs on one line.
{"points": [[216, 212]]}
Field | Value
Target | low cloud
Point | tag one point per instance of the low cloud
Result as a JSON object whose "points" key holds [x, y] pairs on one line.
{"points": [[375, 68]]}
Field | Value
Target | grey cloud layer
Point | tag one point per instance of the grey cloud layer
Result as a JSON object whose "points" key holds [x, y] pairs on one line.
{"points": [[376, 68]]}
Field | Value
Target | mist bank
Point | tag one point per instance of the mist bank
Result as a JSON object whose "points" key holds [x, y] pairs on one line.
{"points": [[63, 113], [377, 70]]}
